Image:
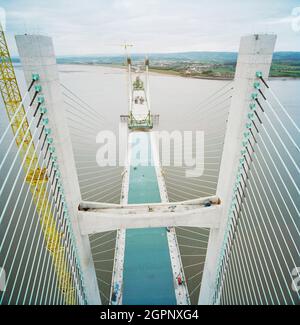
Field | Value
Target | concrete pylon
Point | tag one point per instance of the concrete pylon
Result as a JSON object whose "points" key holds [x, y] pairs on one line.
{"points": [[255, 54], [37, 56]]}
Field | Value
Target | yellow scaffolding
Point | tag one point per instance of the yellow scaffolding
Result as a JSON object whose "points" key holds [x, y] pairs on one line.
{"points": [[37, 178]]}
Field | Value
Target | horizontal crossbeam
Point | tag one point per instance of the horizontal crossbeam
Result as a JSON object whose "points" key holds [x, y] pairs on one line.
{"points": [[96, 217]]}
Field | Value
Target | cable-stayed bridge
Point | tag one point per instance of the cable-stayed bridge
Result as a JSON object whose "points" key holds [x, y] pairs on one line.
{"points": [[146, 233]]}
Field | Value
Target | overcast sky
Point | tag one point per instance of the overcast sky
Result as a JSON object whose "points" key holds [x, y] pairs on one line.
{"points": [[100, 26]]}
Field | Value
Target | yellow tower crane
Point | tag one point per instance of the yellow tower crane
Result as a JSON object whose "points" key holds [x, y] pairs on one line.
{"points": [[36, 176]]}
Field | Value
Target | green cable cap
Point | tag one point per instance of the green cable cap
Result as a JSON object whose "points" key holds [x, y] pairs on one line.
{"points": [[248, 125], [45, 120], [48, 131], [50, 140], [35, 76], [256, 85], [246, 134], [252, 106], [38, 88], [250, 116], [254, 96], [52, 149], [41, 99], [54, 158], [258, 74], [43, 110], [243, 152]]}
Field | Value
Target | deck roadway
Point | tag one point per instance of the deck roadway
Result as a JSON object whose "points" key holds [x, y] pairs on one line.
{"points": [[147, 277]]}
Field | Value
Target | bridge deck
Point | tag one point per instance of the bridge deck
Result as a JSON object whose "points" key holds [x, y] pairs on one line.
{"points": [[147, 277], [140, 108]]}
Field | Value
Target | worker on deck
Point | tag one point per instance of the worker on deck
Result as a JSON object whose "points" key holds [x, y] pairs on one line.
{"points": [[179, 280]]}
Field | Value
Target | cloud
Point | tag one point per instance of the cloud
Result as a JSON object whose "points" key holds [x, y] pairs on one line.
{"points": [[97, 26], [278, 21]]}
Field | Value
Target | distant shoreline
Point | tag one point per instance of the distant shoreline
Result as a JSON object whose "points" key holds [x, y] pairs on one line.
{"points": [[172, 72]]}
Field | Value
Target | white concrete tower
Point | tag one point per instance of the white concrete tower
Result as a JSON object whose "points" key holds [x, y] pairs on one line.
{"points": [[37, 56], [255, 54]]}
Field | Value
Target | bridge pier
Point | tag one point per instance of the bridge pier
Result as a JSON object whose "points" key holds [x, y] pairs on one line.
{"points": [[37, 56], [255, 54]]}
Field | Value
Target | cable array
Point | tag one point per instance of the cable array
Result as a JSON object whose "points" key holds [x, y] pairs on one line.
{"points": [[211, 117], [261, 245], [192, 243], [37, 245], [102, 184], [103, 250]]}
